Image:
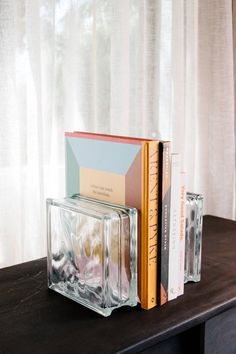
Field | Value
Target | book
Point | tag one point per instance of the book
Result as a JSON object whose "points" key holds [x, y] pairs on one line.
{"points": [[164, 217], [149, 255], [120, 170], [182, 233], [174, 227]]}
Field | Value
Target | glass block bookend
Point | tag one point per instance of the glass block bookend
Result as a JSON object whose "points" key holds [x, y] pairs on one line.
{"points": [[92, 252], [193, 237]]}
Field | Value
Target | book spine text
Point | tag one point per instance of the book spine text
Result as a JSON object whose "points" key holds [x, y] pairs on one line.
{"points": [[164, 219], [152, 223], [174, 227]]}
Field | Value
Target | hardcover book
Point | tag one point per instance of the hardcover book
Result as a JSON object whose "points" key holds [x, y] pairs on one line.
{"points": [[182, 233], [124, 171], [174, 228], [150, 228], [164, 217]]}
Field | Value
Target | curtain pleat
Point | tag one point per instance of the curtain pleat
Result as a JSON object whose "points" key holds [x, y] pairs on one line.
{"points": [[157, 69]]}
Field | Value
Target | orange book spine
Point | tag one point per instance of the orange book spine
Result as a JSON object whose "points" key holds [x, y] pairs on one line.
{"points": [[149, 226]]}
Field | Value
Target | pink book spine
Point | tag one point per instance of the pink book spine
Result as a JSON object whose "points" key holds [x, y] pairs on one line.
{"points": [[182, 233]]}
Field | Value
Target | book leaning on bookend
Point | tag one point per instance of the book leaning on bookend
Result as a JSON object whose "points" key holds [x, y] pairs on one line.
{"points": [[121, 170], [182, 233], [173, 281]]}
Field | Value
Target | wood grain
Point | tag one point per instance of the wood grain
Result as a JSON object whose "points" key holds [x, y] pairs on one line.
{"points": [[36, 320]]}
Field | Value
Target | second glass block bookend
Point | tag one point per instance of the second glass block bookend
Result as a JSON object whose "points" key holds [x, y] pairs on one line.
{"points": [[92, 252], [193, 237]]}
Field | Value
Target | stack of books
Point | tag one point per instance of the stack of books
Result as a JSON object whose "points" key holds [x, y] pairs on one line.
{"points": [[140, 173]]}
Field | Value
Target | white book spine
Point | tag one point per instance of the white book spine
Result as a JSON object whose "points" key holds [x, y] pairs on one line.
{"points": [[182, 232], [173, 278]]}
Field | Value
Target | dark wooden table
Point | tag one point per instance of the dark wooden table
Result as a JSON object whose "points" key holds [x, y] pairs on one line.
{"points": [[35, 320]]}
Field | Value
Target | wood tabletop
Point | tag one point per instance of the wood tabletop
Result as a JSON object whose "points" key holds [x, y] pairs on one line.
{"points": [[36, 320]]}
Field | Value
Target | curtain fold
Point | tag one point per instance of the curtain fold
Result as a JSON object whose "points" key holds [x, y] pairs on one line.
{"points": [[234, 59], [152, 68], [216, 114]]}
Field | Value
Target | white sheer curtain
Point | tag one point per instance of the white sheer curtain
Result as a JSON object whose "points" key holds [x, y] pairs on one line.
{"points": [[154, 68]]}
